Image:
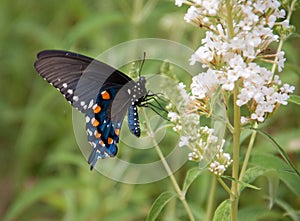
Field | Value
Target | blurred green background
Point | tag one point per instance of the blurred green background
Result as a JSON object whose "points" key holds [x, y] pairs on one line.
{"points": [[43, 173]]}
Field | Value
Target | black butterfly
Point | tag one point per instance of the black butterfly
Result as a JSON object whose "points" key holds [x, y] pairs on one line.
{"points": [[101, 92]]}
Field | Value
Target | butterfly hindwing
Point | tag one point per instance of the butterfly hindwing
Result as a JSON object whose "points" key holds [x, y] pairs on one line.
{"points": [[113, 101], [104, 122]]}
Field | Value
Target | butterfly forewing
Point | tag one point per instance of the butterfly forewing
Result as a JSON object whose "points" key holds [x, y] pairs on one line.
{"points": [[62, 70], [77, 77]]}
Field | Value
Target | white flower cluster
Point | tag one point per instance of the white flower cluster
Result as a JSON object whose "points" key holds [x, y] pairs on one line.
{"points": [[209, 149], [177, 110], [205, 146], [204, 84], [201, 8], [180, 98], [234, 58], [221, 161], [201, 144]]}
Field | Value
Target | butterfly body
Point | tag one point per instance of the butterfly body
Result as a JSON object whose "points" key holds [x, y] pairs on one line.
{"points": [[101, 92]]}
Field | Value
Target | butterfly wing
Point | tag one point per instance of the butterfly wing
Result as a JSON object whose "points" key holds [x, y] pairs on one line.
{"points": [[77, 77], [94, 88], [105, 121]]}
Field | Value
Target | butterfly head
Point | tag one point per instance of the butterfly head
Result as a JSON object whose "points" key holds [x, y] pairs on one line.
{"points": [[142, 80]]}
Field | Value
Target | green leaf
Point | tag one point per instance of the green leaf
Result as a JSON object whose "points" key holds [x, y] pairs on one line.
{"points": [[273, 181], [270, 162], [241, 182], [291, 180], [254, 213], [222, 213], [191, 175], [245, 134], [251, 174], [280, 150], [288, 139], [294, 99], [159, 204], [291, 212]]}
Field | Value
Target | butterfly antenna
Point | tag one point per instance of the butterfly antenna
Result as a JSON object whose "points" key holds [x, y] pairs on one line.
{"points": [[142, 64]]}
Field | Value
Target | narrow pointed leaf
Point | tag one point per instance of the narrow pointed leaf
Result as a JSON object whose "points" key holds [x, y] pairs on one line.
{"points": [[273, 181], [290, 211], [222, 213], [241, 182], [251, 174], [191, 175], [159, 204], [280, 150]]}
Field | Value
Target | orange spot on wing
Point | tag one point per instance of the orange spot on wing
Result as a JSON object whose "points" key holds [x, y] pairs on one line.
{"points": [[97, 109], [97, 135], [110, 140], [95, 122], [105, 95], [117, 131]]}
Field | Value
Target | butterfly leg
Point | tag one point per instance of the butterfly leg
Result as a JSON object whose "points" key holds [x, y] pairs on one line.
{"points": [[155, 98]]}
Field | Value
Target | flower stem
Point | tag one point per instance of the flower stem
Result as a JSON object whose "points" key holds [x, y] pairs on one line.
{"points": [[178, 191], [211, 197], [224, 185], [229, 19], [236, 127], [236, 148], [248, 153]]}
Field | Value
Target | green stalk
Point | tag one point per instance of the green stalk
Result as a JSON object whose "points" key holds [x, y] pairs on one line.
{"points": [[234, 197], [248, 153], [224, 185], [229, 19], [211, 198], [236, 151], [178, 191]]}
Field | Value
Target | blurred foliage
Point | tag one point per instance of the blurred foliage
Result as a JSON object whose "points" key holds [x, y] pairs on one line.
{"points": [[43, 173]]}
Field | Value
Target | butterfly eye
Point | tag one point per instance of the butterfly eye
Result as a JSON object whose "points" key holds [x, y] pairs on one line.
{"points": [[143, 80]]}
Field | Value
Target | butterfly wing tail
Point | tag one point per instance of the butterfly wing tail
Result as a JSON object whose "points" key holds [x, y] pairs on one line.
{"points": [[102, 152]]}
